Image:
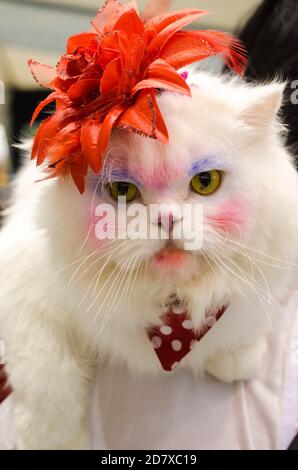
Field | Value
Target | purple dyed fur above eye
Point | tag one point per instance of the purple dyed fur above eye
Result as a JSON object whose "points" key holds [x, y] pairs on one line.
{"points": [[123, 175], [207, 164], [160, 178]]}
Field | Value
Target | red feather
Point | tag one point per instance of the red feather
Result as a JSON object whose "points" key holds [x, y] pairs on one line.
{"points": [[145, 118], [90, 132], [187, 47], [162, 75]]}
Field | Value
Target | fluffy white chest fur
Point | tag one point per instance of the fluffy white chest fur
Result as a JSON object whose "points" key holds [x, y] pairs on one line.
{"points": [[69, 301]]}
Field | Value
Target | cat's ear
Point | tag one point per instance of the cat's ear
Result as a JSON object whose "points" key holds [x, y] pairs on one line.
{"points": [[264, 105]]}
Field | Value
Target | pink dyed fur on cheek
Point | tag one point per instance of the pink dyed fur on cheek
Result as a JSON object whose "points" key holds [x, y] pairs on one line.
{"points": [[231, 216]]}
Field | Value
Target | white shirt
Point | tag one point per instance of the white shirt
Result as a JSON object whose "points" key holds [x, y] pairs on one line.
{"points": [[178, 411]]}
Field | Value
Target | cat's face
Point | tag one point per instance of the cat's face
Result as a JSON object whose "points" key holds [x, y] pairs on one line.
{"points": [[223, 157]]}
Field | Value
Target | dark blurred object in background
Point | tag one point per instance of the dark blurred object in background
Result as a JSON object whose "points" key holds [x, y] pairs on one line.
{"points": [[271, 38], [23, 104]]}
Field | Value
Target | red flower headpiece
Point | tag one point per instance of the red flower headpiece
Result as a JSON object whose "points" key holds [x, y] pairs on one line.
{"points": [[109, 78]]}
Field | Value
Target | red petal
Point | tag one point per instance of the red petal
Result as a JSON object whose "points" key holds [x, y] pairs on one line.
{"points": [[95, 137], [145, 118], [130, 23], [81, 40], [108, 50], [62, 85], [65, 143], [78, 91], [169, 24], [165, 19], [78, 179], [49, 99], [111, 77], [60, 170], [78, 170], [42, 74], [107, 15], [162, 75], [38, 136], [106, 129], [186, 47], [132, 62], [89, 141], [161, 84], [48, 130], [232, 48]]}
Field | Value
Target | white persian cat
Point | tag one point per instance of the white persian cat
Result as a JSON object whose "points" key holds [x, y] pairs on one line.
{"points": [[70, 301]]}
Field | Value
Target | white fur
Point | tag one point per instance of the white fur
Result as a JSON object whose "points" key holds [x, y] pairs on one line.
{"points": [[53, 345]]}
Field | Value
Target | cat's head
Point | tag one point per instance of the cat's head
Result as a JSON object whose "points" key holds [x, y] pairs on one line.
{"points": [[224, 167]]}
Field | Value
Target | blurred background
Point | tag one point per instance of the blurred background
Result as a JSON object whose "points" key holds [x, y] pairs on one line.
{"points": [[39, 28]]}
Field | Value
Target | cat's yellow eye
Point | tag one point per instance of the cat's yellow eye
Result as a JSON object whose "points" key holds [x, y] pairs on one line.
{"points": [[206, 182], [124, 189]]}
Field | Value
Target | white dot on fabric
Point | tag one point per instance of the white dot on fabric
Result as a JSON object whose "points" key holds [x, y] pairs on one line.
{"points": [[176, 345], [173, 366], [166, 330], [156, 342], [178, 309], [187, 324]]}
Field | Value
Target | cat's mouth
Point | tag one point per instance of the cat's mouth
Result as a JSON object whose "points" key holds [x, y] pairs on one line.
{"points": [[170, 254]]}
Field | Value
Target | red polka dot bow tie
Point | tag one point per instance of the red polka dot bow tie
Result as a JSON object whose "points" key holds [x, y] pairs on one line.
{"points": [[5, 388], [176, 337]]}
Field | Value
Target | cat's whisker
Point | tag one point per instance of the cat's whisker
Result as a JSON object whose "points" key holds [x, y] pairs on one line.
{"points": [[108, 252], [283, 264], [264, 292], [252, 263], [60, 270], [130, 279], [95, 277], [255, 289], [245, 294], [83, 259], [127, 267], [92, 211], [85, 241], [105, 283], [96, 251], [224, 271], [225, 229], [130, 291], [71, 280], [93, 280], [205, 256], [120, 272], [105, 264], [113, 308]]}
